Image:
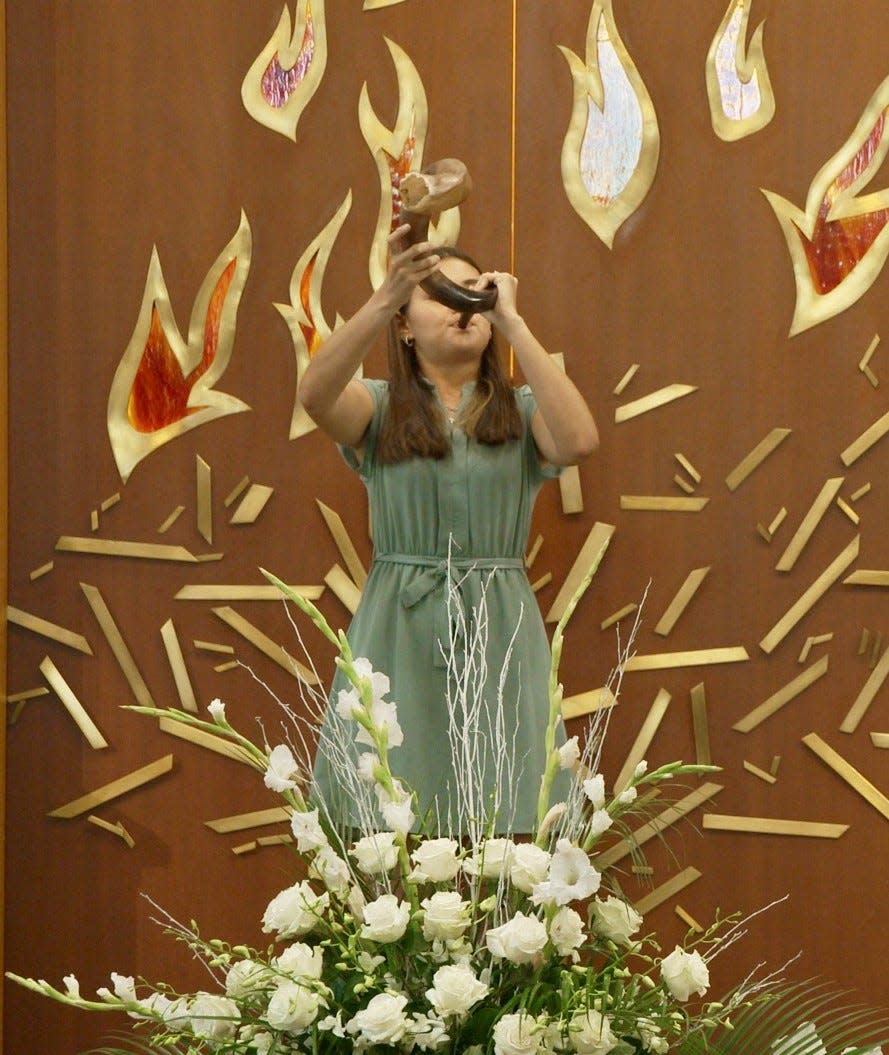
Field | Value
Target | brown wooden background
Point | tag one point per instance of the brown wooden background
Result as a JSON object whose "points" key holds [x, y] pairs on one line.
{"points": [[126, 130]]}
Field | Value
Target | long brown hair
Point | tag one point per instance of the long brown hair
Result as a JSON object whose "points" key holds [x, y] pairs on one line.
{"points": [[414, 426]]}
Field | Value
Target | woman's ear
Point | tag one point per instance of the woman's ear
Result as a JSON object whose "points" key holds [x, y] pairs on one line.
{"points": [[404, 331]]}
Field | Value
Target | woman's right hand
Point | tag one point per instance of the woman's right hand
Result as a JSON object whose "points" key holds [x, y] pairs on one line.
{"points": [[409, 265]]}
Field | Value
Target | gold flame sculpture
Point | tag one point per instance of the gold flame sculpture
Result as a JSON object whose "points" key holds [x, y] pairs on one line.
{"points": [[163, 385], [738, 85], [304, 316], [372, 5], [287, 72], [611, 148], [838, 246], [397, 152]]}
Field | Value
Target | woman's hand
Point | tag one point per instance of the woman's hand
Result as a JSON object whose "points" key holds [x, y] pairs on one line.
{"points": [[505, 312], [409, 265]]}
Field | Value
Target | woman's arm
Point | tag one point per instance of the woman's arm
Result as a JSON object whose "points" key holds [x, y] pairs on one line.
{"points": [[563, 427], [339, 405]]}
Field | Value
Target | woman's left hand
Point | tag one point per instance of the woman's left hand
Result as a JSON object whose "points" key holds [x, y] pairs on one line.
{"points": [[505, 309]]}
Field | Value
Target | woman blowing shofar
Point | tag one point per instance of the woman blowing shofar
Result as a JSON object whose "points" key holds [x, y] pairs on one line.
{"points": [[453, 458]]}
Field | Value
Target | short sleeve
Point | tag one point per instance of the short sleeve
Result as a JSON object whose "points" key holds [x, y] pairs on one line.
{"points": [[538, 468], [379, 391]]}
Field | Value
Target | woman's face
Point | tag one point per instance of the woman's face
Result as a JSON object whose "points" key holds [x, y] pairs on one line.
{"points": [[435, 328]]}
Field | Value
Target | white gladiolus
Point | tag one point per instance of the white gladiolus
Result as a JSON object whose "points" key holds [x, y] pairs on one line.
{"points": [[282, 769]]}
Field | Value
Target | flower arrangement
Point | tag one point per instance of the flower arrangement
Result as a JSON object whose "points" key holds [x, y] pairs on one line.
{"points": [[396, 939]]}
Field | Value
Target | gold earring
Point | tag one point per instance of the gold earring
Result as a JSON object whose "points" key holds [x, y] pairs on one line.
{"points": [[408, 339]]}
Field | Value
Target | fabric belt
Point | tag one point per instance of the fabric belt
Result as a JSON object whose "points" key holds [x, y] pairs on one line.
{"points": [[436, 572]]}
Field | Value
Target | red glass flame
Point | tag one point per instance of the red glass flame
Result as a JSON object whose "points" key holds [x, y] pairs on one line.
{"points": [[160, 392], [278, 84], [837, 246], [398, 168]]}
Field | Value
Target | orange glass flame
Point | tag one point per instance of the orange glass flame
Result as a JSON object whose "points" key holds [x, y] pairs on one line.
{"points": [[309, 331], [160, 392], [837, 246]]}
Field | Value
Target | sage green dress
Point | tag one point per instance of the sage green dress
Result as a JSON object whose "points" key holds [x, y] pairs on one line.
{"points": [[475, 506]]}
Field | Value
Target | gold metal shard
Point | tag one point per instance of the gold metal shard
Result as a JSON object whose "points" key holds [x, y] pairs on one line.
{"points": [[867, 577], [342, 587], [213, 646], [596, 541], [772, 826], [284, 77], [848, 772], [118, 646], [204, 482], [544, 580], [865, 441], [817, 639], [864, 366], [784, 695], [667, 890], [115, 829], [171, 520], [244, 848], [202, 738], [616, 617], [626, 379], [848, 510], [304, 314], [688, 920], [231, 664], [811, 596], [252, 504], [265, 644], [257, 819], [692, 658], [693, 472], [570, 490], [115, 789], [756, 457], [177, 665], [121, 548], [231, 592], [611, 147], [657, 824], [643, 739], [880, 740], [47, 629], [681, 482], [652, 401], [236, 491], [584, 703], [27, 694], [809, 522], [164, 386], [72, 704], [860, 492], [681, 601], [701, 725], [531, 556], [866, 697], [769, 778], [738, 85], [344, 544], [662, 504], [44, 569]]}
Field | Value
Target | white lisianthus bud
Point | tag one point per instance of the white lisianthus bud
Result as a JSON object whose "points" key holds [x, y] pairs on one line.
{"points": [[569, 754], [685, 973], [282, 768], [594, 789], [435, 860], [615, 919]]}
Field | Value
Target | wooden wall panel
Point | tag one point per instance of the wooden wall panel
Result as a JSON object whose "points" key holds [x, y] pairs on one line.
{"points": [[126, 130]]}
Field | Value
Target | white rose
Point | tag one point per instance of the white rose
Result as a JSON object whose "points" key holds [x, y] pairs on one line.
{"points": [[376, 853], [383, 1021], [520, 940], [331, 869], [529, 865], [685, 973], [615, 919], [214, 1017], [594, 789], [307, 830], [294, 911], [281, 770], [491, 859], [516, 1035], [455, 989], [569, 754], [566, 931], [304, 961], [435, 860], [590, 1033], [386, 919], [445, 916], [571, 877], [244, 976], [293, 1007]]}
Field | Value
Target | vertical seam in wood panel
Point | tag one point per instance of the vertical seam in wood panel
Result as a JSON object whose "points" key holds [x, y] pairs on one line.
{"points": [[512, 158], [4, 472]]}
